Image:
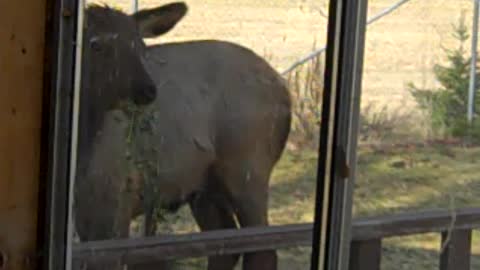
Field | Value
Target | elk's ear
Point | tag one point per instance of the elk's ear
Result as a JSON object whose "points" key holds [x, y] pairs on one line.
{"points": [[157, 21]]}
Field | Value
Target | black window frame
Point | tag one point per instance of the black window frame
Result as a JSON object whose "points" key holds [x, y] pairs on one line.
{"points": [[336, 164], [341, 111], [60, 65]]}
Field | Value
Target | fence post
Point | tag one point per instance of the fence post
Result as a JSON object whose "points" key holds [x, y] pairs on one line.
{"points": [[365, 255], [134, 6], [473, 64], [456, 252]]}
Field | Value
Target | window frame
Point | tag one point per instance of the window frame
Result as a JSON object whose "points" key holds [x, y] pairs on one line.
{"points": [[337, 165], [60, 80]]}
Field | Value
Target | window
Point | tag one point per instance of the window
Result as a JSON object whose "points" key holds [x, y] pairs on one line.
{"points": [[182, 147], [415, 199]]}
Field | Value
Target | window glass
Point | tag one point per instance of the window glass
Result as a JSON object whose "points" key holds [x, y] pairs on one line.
{"points": [[417, 151], [199, 116]]}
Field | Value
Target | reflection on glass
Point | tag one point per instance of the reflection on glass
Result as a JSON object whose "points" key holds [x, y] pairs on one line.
{"points": [[416, 150], [188, 133]]}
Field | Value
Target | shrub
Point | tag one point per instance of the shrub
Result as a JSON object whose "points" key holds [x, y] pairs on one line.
{"points": [[447, 105], [306, 88], [384, 124]]}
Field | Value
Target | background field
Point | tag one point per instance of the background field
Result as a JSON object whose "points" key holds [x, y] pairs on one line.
{"points": [[400, 48]]}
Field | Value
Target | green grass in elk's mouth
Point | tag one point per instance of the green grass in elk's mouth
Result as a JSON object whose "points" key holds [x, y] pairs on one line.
{"points": [[142, 155]]}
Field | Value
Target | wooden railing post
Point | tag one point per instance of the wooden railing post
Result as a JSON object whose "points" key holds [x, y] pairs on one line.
{"points": [[456, 250], [365, 255]]}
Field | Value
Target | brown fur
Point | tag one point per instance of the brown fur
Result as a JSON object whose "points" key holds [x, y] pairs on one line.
{"points": [[222, 118]]}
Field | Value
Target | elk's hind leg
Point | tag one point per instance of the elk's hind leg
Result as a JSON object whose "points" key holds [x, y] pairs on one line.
{"points": [[252, 211], [249, 191], [210, 215]]}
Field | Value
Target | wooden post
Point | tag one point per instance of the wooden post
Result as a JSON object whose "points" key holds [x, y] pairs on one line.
{"points": [[456, 254], [21, 95], [365, 255]]}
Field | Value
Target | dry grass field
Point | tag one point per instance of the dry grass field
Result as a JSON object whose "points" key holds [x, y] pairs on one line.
{"points": [[400, 48]]}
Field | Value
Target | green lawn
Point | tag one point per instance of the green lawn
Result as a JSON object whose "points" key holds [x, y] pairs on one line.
{"points": [[388, 181], [399, 180]]}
